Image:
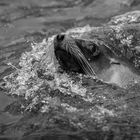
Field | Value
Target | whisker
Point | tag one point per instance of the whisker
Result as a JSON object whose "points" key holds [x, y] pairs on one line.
{"points": [[73, 49]]}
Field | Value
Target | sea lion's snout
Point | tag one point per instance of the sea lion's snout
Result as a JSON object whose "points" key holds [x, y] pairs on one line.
{"points": [[71, 56], [65, 57]]}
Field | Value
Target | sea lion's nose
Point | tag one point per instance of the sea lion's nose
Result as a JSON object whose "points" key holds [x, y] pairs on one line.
{"points": [[60, 37], [58, 41]]}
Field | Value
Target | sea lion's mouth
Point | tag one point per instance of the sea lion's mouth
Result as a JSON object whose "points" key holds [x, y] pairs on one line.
{"points": [[86, 57]]}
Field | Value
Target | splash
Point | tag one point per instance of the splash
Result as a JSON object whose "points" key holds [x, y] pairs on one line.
{"points": [[38, 69]]}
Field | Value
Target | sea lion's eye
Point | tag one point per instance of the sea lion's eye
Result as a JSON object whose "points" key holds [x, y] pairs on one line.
{"points": [[95, 50], [60, 37]]}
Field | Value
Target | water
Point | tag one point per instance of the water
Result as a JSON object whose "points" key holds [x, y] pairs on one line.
{"points": [[4, 100], [24, 21], [5, 117]]}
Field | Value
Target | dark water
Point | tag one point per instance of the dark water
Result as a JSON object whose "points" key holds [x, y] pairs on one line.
{"points": [[24, 21]]}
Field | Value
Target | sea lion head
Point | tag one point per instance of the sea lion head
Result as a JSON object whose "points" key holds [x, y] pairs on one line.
{"points": [[82, 56], [88, 57]]}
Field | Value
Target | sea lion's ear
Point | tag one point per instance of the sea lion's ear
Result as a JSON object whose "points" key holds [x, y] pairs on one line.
{"points": [[95, 50], [60, 37]]}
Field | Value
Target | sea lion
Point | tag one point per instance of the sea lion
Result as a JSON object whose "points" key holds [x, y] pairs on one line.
{"points": [[93, 59]]}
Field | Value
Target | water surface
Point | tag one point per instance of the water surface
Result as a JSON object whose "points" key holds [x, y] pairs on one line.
{"points": [[25, 21]]}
